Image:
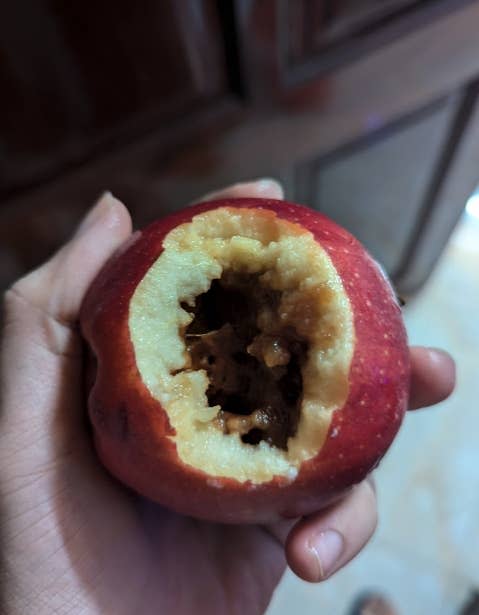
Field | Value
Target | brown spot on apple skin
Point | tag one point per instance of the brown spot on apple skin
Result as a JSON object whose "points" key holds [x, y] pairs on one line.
{"points": [[115, 421], [123, 426], [90, 370], [98, 416]]}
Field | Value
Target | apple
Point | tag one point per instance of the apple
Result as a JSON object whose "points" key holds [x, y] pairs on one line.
{"points": [[251, 361]]}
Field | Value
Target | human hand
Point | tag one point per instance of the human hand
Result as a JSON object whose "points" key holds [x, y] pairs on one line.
{"points": [[72, 539]]}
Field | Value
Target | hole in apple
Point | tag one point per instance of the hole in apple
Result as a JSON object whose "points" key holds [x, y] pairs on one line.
{"points": [[252, 437], [253, 361]]}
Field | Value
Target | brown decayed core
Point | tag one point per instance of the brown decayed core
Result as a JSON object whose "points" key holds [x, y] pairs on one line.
{"points": [[253, 361]]}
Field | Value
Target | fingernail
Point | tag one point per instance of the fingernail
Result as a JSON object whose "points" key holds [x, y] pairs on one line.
{"points": [[266, 184], [262, 185], [95, 213], [325, 549], [437, 354]]}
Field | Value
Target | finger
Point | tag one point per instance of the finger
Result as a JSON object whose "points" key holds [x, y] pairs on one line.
{"points": [[262, 188], [57, 287], [323, 543], [433, 376], [280, 530]]}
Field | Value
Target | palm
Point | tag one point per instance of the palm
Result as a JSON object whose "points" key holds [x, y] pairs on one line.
{"points": [[151, 560], [116, 551], [205, 567]]}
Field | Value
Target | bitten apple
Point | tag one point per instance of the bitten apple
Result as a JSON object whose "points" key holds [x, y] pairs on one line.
{"points": [[251, 361]]}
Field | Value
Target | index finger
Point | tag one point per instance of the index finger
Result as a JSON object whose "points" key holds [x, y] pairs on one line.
{"points": [[433, 376], [265, 188]]}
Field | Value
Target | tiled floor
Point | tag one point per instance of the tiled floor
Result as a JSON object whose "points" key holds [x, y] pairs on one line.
{"points": [[425, 554]]}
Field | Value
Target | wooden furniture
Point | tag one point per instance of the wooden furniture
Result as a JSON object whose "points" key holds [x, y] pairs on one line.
{"points": [[365, 109]]}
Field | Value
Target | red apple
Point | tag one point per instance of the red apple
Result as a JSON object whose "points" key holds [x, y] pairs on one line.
{"points": [[252, 361]]}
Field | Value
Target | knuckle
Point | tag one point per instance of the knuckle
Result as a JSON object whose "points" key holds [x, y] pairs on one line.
{"points": [[372, 482], [12, 303]]}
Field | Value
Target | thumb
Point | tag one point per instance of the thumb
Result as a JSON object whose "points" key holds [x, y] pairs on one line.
{"points": [[42, 415], [40, 351], [40, 361], [57, 288]]}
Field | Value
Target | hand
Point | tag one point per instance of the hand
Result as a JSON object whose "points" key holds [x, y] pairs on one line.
{"points": [[75, 541]]}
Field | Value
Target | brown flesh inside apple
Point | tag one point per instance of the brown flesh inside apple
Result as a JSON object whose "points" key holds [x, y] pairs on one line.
{"points": [[254, 375]]}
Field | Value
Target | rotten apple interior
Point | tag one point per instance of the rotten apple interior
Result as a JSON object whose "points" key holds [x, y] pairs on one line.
{"points": [[243, 332], [254, 374]]}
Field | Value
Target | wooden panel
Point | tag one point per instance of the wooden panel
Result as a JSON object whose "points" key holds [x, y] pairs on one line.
{"points": [[286, 45], [457, 177], [78, 77], [376, 187], [34, 223], [320, 24], [373, 91]]}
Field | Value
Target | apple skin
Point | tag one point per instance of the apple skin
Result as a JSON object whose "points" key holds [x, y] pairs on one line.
{"points": [[130, 427]]}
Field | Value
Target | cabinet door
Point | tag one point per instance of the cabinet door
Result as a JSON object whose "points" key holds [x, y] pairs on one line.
{"points": [[81, 85], [372, 109], [377, 185], [79, 79]]}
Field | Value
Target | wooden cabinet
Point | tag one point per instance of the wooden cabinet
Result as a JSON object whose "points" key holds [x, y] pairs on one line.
{"points": [[366, 110], [372, 186], [82, 79]]}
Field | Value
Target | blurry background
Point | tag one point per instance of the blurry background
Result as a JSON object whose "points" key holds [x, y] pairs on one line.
{"points": [[364, 109]]}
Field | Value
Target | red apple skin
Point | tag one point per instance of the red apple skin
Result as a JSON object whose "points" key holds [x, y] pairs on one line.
{"points": [[131, 428]]}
